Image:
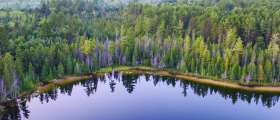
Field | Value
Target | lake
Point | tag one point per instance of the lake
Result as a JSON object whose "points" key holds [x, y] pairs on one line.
{"points": [[145, 97]]}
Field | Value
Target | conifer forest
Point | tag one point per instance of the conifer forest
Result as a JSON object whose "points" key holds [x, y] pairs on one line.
{"points": [[228, 40]]}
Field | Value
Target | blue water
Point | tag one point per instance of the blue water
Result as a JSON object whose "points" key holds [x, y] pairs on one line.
{"points": [[146, 97]]}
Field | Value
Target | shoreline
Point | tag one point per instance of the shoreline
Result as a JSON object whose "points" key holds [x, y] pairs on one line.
{"points": [[52, 84], [164, 72], [62, 81], [203, 80]]}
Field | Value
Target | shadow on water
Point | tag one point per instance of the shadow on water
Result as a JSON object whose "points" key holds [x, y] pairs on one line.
{"points": [[130, 81]]}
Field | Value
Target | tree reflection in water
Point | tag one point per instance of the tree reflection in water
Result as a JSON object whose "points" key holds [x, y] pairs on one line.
{"points": [[130, 81]]}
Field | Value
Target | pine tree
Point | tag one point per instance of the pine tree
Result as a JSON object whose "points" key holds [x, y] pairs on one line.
{"points": [[69, 65], [45, 71], [261, 75], [8, 71], [139, 26], [77, 69], [244, 73], [60, 70], [227, 58], [230, 38], [252, 71], [19, 64], [235, 72], [268, 69], [31, 72]]}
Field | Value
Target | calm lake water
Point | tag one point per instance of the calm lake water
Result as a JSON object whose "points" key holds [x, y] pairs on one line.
{"points": [[146, 97]]}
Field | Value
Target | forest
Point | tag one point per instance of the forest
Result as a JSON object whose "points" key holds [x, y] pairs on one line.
{"points": [[235, 40]]}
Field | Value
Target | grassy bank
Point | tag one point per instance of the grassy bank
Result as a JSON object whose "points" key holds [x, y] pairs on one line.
{"points": [[266, 88], [60, 82]]}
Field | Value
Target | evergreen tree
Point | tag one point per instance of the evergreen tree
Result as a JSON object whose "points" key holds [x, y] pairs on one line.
{"points": [[268, 70], [60, 70], [8, 72], [261, 75], [77, 69]]}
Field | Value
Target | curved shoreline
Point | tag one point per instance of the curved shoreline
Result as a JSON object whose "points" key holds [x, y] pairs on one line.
{"points": [[202, 80], [167, 73], [63, 81], [270, 89]]}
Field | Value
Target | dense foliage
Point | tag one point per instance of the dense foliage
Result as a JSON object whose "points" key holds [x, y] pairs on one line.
{"points": [[226, 39]]}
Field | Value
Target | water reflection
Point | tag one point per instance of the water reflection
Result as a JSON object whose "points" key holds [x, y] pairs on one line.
{"points": [[129, 82]]}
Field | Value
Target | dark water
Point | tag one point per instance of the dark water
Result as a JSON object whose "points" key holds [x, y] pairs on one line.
{"points": [[146, 97]]}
